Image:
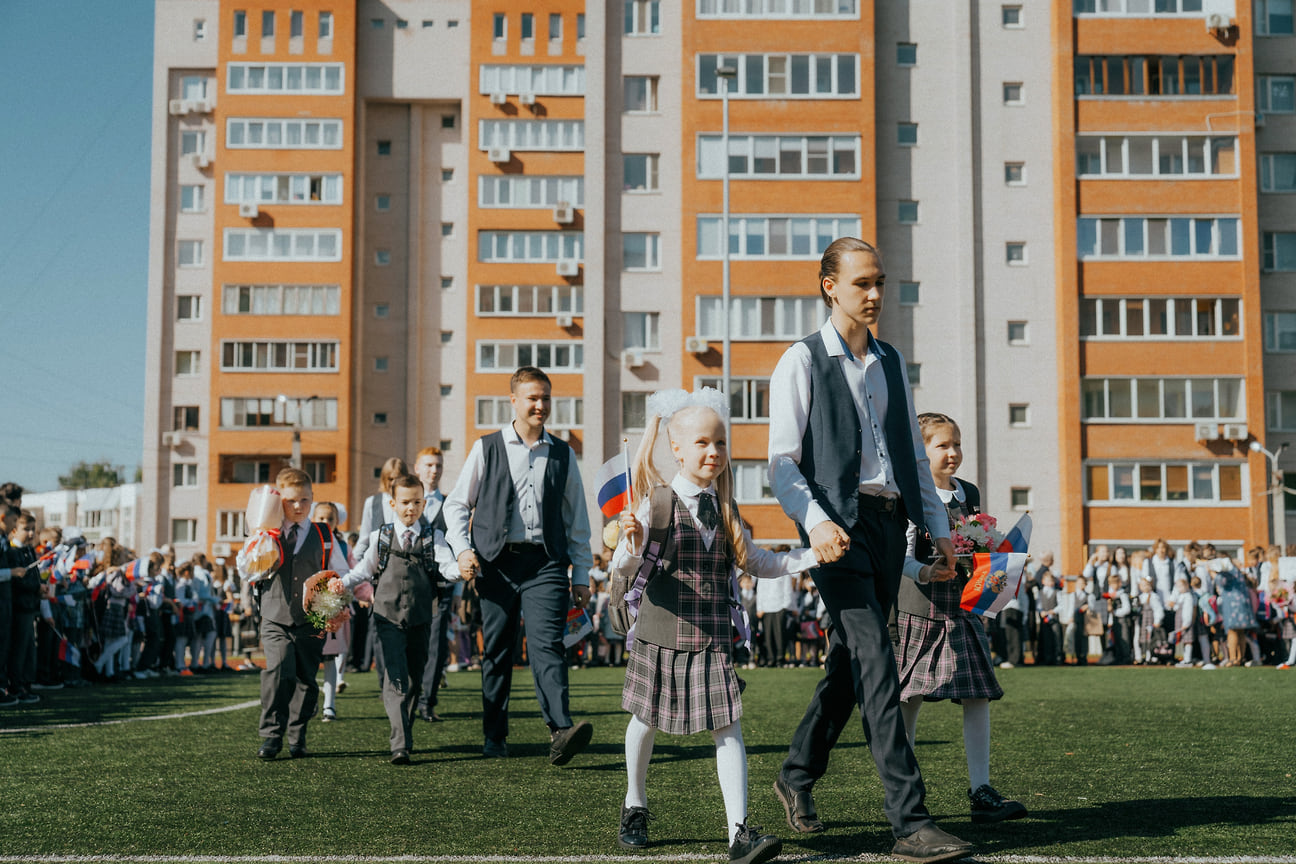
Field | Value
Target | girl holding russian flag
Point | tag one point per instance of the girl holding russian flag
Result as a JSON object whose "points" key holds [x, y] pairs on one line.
{"points": [[941, 648]]}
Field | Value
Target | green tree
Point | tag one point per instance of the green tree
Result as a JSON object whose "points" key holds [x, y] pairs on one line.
{"points": [[92, 475]]}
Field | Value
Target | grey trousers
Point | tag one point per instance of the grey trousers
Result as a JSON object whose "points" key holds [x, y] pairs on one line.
{"points": [[438, 650], [289, 693], [405, 654]]}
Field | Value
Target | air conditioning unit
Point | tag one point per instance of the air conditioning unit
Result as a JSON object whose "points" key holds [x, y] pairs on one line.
{"points": [[177, 107], [527, 98], [1218, 21], [499, 98], [632, 358], [171, 439], [1236, 431], [1206, 431], [565, 320], [202, 106], [249, 211], [564, 213], [568, 267], [201, 160], [499, 154], [221, 550], [696, 345]]}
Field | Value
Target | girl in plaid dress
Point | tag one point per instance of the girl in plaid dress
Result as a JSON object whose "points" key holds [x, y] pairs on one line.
{"points": [[680, 674], [942, 649]]}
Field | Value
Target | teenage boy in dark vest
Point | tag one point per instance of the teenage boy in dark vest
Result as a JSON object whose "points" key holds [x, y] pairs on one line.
{"points": [[521, 488], [428, 466], [847, 464], [293, 647], [399, 573]]}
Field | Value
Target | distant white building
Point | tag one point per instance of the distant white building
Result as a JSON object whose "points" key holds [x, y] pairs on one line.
{"points": [[99, 513]]}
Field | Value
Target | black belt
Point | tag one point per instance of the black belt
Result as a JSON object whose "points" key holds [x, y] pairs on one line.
{"points": [[523, 548], [878, 503]]}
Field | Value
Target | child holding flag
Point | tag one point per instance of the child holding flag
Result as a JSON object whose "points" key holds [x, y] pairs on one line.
{"points": [[942, 650]]}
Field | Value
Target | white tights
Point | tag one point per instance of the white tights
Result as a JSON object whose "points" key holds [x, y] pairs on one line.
{"points": [[976, 735], [731, 766]]}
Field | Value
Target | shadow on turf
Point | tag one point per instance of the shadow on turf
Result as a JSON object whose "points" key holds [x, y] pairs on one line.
{"points": [[121, 701]]}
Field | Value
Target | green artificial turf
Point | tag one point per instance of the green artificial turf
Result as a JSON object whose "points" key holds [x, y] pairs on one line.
{"points": [[1111, 762]]}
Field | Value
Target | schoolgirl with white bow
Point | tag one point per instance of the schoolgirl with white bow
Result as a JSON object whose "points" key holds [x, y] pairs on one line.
{"points": [[680, 674]]}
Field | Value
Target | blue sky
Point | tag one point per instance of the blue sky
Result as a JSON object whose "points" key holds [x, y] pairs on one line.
{"points": [[74, 172]]}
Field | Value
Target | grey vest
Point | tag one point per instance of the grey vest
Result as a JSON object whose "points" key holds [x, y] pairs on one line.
{"points": [[496, 499], [404, 592], [281, 598]]}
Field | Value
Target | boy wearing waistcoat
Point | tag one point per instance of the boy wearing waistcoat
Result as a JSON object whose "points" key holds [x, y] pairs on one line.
{"points": [[293, 647], [400, 572], [428, 465], [522, 490]]}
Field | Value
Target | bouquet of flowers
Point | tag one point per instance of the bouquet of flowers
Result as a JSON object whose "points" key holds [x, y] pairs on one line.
{"points": [[327, 601], [976, 533], [1280, 599], [262, 552]]}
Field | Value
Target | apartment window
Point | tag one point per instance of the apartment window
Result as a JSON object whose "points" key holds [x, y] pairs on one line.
{"points": [[283, 188], [283, 244], [384, 148], [267, 24], [1273, 17], [1015, 173], [499, 27], [184, 530], [565, 412], [191, 199], [530, 246], [907, 134], [1020, 498], [1157, 237], [784, 237], [254, 413], [447, 282], [518, 191], [279, 356], [641, 330], [447, 229], [1278, 172], [640, 251], [296, 25], [537, 80], [751, 481], [634, 410], [913, 371], [555, 29], [402, 24], [906, 54], [1279, 250], [642, 17], [530, 300], [748, 400], [1165, 76], [1200, 483], [188, 307], [907, 212], [560, 135], [382, 203], [1280, 410], [447, 174], [640, 94], [189, 253], [1011, 16], [803, 157], [382, 310], [240, 24], [451, 24], [184, 475], [1161, 400], [191, 142], [1160, 317], [193, 87], [291, 78], [187, 363], [1280, 332], [380, 418], [380, 364], [761, 318], [281, 300], [325, 25], [1276, 94], [1160, 155], [446, 390], [382, 257], [1137, 8], [528, 26], [232, 524], [777, 9], [553, 356], [264, 133], [447, 336], [1015, 253], [639, 172], [1019, 415], [580, 26], [1014, 93], [184, 418], [909, 293], [1018, 333], [781, 76]]}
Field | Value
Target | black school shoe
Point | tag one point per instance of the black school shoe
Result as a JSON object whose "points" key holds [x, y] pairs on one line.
{"points": [[752, 847], [989, 806], [930, 845], [270, 748], [566, 743], [634, 828]]}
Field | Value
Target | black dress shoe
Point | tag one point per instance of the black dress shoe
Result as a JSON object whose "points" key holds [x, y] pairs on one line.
{"points": [[270, 748], [634, 827], [989, 806], [930, 845], [400, 757], [799, 807], [566, 743], [495, 749], [750, 846], [298, 751]]}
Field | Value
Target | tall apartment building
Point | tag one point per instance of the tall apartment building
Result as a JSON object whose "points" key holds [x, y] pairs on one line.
{"points": [[367, 214]]}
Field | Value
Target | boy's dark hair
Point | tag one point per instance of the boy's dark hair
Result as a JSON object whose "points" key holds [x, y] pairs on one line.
{"points": [[12, 510], [406, 481], [527, 374], [831, 260], [11, 493], [25, 518]]}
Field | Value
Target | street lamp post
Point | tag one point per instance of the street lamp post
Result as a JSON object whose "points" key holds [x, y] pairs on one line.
{"points": [[296, 459], [725, 74], [1277, 490]]}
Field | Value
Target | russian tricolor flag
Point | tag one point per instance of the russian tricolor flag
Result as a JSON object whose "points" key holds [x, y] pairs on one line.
{"points": [[68, 653], [613, 485], [137, 569], [996, 576], [1018, 539]]}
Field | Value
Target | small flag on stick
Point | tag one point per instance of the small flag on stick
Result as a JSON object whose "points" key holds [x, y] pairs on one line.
{"points": [[613, 485]]}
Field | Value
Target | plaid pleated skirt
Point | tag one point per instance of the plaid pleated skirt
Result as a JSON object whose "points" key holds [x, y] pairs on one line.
{"points": [[947, 658], [681, 692]]}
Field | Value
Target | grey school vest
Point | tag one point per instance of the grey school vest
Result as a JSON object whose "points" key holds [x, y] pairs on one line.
{"points": [[281, 599], [496, 499], [405, 592]]}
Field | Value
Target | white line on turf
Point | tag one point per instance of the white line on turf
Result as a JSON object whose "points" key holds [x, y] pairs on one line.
{"points": [[223, 709], [608, 859]]}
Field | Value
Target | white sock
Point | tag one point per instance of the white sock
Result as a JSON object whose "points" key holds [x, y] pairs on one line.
{"points": [[731, 766], [330, 685], [1255, 651], [909, 712], [638, 750], [1187, 652], [1291, 658], [340, 664], [976, 741]]}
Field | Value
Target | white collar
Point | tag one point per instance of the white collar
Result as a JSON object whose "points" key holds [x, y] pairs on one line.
{"points": [[511, 436], [835, 345], [686, 488]]}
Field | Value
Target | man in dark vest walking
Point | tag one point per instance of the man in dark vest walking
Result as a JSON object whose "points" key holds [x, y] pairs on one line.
{"points": [[521, 489], [847, 464]]}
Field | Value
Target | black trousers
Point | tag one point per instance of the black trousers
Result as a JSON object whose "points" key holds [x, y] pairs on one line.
{"points": [[1011, 622], [860, 669], [289, 693], [438, 653], [775, 645]]}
